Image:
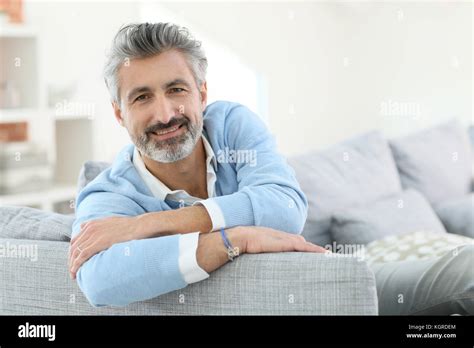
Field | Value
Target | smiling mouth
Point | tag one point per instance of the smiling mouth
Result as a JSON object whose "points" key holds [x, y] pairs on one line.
{"points": [[168, 130], [168, 133]]}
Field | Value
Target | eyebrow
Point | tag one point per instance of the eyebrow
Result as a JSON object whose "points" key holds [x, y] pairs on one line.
{"points": [[176, 82], [146, 89]]}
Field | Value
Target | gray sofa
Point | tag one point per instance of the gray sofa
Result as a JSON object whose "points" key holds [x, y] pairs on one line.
{"points": [[38, 283], [344, 184]]}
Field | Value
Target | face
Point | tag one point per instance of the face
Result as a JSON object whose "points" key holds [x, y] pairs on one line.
{"points": [[161, 106]]}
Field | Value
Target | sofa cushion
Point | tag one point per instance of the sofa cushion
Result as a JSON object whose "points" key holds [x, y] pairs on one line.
{"points": [[436, 161], [30, 223], [89, 171], [404, 212], [354, 172], [457, 215]]}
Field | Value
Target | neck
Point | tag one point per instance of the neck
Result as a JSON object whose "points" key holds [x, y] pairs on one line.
{"points": [[188, 174]]}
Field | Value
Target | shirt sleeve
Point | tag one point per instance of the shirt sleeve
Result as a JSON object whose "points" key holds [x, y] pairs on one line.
{"points": [[268, 193], [215, 213], [188, 266]]}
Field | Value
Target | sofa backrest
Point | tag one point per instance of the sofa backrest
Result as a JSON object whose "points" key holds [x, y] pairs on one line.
{"points": [[436, 161], [354, 172]]}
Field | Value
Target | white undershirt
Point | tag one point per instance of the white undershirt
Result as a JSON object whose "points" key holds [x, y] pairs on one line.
{"points": [[188, 242]]}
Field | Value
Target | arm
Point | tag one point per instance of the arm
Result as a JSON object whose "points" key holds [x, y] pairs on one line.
{"points": [[211, 254], [268, 193], [142, 269]]}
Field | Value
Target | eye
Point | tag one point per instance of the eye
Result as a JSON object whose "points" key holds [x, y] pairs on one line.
{"points": [[176, 90], [141, 97]]}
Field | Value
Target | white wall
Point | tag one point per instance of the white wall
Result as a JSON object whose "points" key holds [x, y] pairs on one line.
{"points": [[337, 69]]}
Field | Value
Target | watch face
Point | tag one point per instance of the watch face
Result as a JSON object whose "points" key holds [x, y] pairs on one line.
{"points": [[233, 252]]}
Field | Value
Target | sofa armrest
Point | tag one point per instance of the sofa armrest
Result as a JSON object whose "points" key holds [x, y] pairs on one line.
{"points": [[30, 223], [260, 284]]}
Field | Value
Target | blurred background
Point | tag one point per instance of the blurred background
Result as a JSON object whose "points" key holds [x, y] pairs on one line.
{"points": [[317, 72]]}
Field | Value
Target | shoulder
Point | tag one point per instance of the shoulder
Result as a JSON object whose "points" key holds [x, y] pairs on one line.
{"points": [[230, 120]]}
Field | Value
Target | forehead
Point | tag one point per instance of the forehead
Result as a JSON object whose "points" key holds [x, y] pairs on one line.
{"points": [[154, 71]]}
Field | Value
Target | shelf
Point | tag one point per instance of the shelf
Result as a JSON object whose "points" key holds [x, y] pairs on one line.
{"points": [[24, 114], [16, 31], [30, 114], [45, 199]]}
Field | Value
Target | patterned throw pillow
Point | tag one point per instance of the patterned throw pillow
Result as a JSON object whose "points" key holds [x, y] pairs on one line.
{"points": [[420, 245]]}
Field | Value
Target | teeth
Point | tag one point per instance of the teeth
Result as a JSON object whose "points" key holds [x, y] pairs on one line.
{"points": [[167, 131]]}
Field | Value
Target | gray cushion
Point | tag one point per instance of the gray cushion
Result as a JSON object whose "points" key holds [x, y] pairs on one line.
{"points": [[457, 215], [354, 172], [404, 212], [427, 161], [30, 223], [89, 171]]}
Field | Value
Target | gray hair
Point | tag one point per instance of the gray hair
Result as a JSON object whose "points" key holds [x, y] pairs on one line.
{"points": [[145, 40]]}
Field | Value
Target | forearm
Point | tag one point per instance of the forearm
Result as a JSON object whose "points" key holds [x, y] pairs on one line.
{"points": [[179, 221], [211, 252], [132, 271]]}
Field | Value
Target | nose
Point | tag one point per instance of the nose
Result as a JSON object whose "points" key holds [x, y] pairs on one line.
{"points": [[164, 110]]}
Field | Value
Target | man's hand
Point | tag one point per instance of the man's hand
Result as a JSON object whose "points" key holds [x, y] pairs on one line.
{"points": [[267, 240], [99, 235]]}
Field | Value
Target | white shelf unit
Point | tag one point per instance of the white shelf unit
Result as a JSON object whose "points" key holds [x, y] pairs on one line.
{"points": [[66, 139]]}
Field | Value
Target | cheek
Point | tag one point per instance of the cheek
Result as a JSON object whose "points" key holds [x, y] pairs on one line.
{"points": [[133, 128], [135, 123]]}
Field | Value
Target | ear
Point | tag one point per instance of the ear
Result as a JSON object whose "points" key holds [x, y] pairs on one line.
{"points": [[203, 92], [118, 113]]}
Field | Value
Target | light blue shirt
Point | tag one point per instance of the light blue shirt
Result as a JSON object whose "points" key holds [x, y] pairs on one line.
{"points": [[254, 186]]}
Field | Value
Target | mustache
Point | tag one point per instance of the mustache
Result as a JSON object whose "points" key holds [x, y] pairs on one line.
{"points": [[173, 122]]}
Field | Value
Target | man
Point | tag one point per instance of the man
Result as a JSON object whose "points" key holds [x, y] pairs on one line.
{"points": [[182, 200]]}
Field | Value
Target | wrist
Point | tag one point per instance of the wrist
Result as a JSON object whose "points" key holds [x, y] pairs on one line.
{"points": [[238, 238]]}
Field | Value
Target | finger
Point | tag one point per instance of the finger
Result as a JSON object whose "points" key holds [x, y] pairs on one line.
{"points": [[80, 236], [72, 254], [81, 229], [317, 248], [310, 247], [75, 252], [83, 257], [300, 237]]}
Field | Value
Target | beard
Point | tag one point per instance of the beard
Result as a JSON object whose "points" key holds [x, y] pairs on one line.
{"points": [[172, 149]]}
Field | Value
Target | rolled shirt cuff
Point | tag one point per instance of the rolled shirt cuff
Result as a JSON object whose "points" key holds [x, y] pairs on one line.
{"points": [[214, 212], [188, 265]]}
